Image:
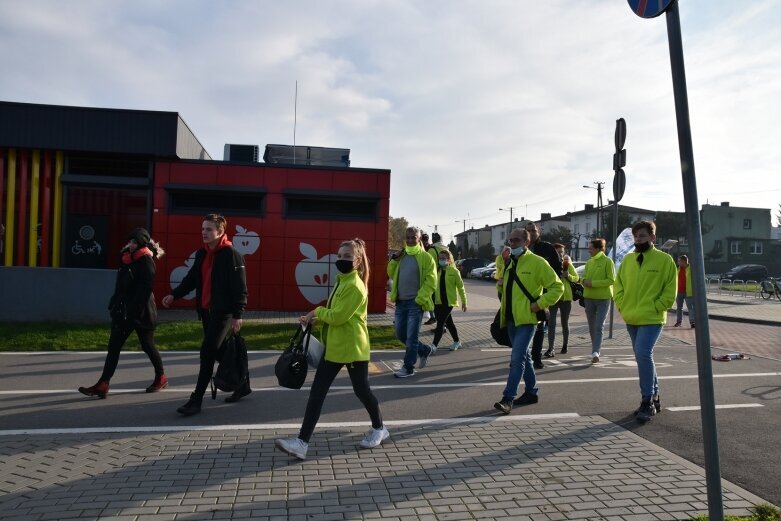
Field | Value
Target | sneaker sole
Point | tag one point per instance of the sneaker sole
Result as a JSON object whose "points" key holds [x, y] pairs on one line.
{"points": [[397, 375], [595, 360], [361, 445], [500, 409], [290, 453]]}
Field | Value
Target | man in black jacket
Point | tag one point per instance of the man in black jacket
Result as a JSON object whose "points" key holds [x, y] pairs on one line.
{"points": [[545, 250]]}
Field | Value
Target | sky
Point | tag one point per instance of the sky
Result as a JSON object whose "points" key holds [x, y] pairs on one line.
{"points": [[473, 105]]}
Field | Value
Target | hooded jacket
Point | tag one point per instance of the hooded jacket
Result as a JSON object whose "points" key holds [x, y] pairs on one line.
{"points": [[645, 292], [601, 271], [454, 286], [133, 302], [345, 333]]}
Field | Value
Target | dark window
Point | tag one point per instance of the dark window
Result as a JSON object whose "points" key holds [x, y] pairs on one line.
{"points": [[112, 167], [337, 207], [204, 198]]}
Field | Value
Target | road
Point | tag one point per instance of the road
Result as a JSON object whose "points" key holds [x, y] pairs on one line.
{"points": [[37, 391]]}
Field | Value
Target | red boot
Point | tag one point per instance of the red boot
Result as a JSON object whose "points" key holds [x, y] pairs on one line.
{"points": [[161, 382], [100, 389]]}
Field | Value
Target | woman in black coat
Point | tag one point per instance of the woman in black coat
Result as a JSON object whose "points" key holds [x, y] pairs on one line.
{"points": [[132, 308], [219, 279]]}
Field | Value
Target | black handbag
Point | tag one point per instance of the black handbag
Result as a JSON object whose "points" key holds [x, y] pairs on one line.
{"points": [[233, 372], [577, 292], [499, 333], [291, 367]]}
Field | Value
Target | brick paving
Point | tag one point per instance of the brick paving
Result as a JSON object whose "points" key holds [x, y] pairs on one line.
{"points": [[509, 468]]}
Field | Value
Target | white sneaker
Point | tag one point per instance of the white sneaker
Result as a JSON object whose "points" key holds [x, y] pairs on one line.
{"points": [[456, 346], [374, 437], [293, 446], [594, 357]]}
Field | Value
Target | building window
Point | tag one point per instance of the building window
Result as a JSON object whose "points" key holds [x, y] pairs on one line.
{"points": [[304, 204], [746, 224], [588, 227], [734, 247], [577, 229], [756, 248], [501, 236], [201, 199]]}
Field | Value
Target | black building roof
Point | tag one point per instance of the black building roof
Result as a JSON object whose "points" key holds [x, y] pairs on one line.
{"points": [[101, 130]]}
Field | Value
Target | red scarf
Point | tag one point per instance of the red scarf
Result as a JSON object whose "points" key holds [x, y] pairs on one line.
{"points": [[128, 257], [206, 270]]}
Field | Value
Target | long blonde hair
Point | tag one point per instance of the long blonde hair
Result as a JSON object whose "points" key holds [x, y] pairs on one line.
{"points": [[359, 252]]}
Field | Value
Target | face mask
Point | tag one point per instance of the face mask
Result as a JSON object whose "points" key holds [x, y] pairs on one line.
{"points": [[642, 246], [443, 263], [518, 251], [344, 265]]}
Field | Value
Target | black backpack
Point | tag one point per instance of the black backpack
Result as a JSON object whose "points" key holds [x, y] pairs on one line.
{"points": [[233, 371]]}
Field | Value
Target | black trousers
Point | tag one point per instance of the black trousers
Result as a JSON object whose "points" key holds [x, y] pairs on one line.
{"points": [[215, 329], [539, 337], [444, 318], [324, 377], [119, 335], [565, 306]]}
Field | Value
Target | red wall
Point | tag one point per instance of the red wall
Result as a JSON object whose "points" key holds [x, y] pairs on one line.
{"points": [[279, 274]]}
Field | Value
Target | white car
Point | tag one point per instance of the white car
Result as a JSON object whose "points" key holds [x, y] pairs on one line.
{"points": [[477, 273]]}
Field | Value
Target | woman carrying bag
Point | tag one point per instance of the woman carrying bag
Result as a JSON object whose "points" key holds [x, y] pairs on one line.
{"points": [[346, 338], [132, 308], [219, 279]]}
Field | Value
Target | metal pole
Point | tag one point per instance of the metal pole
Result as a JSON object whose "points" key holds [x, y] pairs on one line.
{"points": [[702, 333], [615, 243]]}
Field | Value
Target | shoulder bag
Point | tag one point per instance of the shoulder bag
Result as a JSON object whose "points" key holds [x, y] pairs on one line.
{"points": [[291, 367]]}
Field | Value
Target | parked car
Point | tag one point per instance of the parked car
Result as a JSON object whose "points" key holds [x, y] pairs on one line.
{"points": [[488, 273], [467, 265], [478, 273], [755, 272]]}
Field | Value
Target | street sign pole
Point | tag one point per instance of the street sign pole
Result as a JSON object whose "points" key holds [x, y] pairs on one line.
{"points": [[619, 185], [702, 333]]}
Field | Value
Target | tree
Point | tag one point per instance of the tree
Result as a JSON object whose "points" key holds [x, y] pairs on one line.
{"points": [[624, 221], [560, 234], [671, 225], [486, 251], [778, 217], [397, 229]]}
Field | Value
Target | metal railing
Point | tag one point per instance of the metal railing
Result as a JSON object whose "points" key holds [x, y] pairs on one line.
{"points": [[718, 286]]}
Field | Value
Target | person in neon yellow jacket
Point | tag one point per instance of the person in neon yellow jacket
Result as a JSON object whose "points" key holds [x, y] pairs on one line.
{"points": [[519, 314], [434, 249], [414, 279], [450, 289], [645, 290], [685, 293], [568, 276], [599, 275], [346, 338]]}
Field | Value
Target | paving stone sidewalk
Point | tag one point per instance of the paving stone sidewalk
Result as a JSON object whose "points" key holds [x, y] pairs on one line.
{"points": [[504, 468]]}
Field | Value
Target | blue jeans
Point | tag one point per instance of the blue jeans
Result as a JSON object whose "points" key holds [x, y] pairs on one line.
{"points": [[643, 341], [679, 300], [408, 317], [596, 312], [520, 361]]}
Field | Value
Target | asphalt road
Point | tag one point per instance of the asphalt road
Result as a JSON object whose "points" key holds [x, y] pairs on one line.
{"points": [[38, 391]]}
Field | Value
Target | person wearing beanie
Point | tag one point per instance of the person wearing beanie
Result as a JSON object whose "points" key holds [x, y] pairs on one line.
{"points": [[219, 279], [132, 308]]}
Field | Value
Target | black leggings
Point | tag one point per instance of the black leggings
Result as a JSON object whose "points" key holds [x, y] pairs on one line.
{"points": [[324, 377], [215, 329], [116, 341], [566, 308], [444, 319]]}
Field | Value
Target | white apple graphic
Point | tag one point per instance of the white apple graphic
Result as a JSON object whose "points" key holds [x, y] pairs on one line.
{"points": [[178, 274], [245, 241], [315, 276]]}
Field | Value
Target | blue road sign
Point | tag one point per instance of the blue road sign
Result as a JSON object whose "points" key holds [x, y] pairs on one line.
{"points": [[649, 8]]}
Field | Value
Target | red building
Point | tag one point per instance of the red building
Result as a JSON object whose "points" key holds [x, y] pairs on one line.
{"points": [[75, 180]]}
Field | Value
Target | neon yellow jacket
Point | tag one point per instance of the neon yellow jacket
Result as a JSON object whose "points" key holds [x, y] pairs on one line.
{"points": [[435, 250], [601, 271], [536, 275], [499, 273], [689, 291], [645, 293], [570, 276], [345, 334], [427, 271], [454, 287]]}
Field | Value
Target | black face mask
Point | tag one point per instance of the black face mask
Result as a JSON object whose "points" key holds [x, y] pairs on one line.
{"points": [[344, 265], [642, 246]]}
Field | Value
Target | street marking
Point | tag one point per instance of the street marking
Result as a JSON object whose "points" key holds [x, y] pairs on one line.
{"points": [[280, 426], [727, 406], [404, 385]]}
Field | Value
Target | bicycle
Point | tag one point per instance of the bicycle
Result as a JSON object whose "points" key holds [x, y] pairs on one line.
{"points": [[769, 287]]}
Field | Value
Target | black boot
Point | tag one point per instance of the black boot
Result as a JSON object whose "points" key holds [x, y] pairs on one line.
{"points": [[239, 393], [564, 349], [193, 405]]}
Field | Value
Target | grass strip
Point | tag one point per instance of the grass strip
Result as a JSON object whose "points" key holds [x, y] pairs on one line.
{"points": [[169, 336]]}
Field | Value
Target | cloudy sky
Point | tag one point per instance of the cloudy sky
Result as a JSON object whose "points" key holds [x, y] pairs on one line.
{"points": [[473, 105]]}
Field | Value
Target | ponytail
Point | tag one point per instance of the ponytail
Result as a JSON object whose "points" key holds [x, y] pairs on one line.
{"points": [[359, 252]]}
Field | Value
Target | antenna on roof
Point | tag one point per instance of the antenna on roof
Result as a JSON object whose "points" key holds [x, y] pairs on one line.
{"points": [[295, 120]]}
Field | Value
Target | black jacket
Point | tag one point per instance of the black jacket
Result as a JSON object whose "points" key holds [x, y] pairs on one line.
{"points": [[546, 250], [229, 282], [133, 303]]}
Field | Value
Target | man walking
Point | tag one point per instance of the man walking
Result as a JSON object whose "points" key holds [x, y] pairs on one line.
{"points": [[414, 277], [545, 250], [645, 290], [529, 286], [685, 293]]}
